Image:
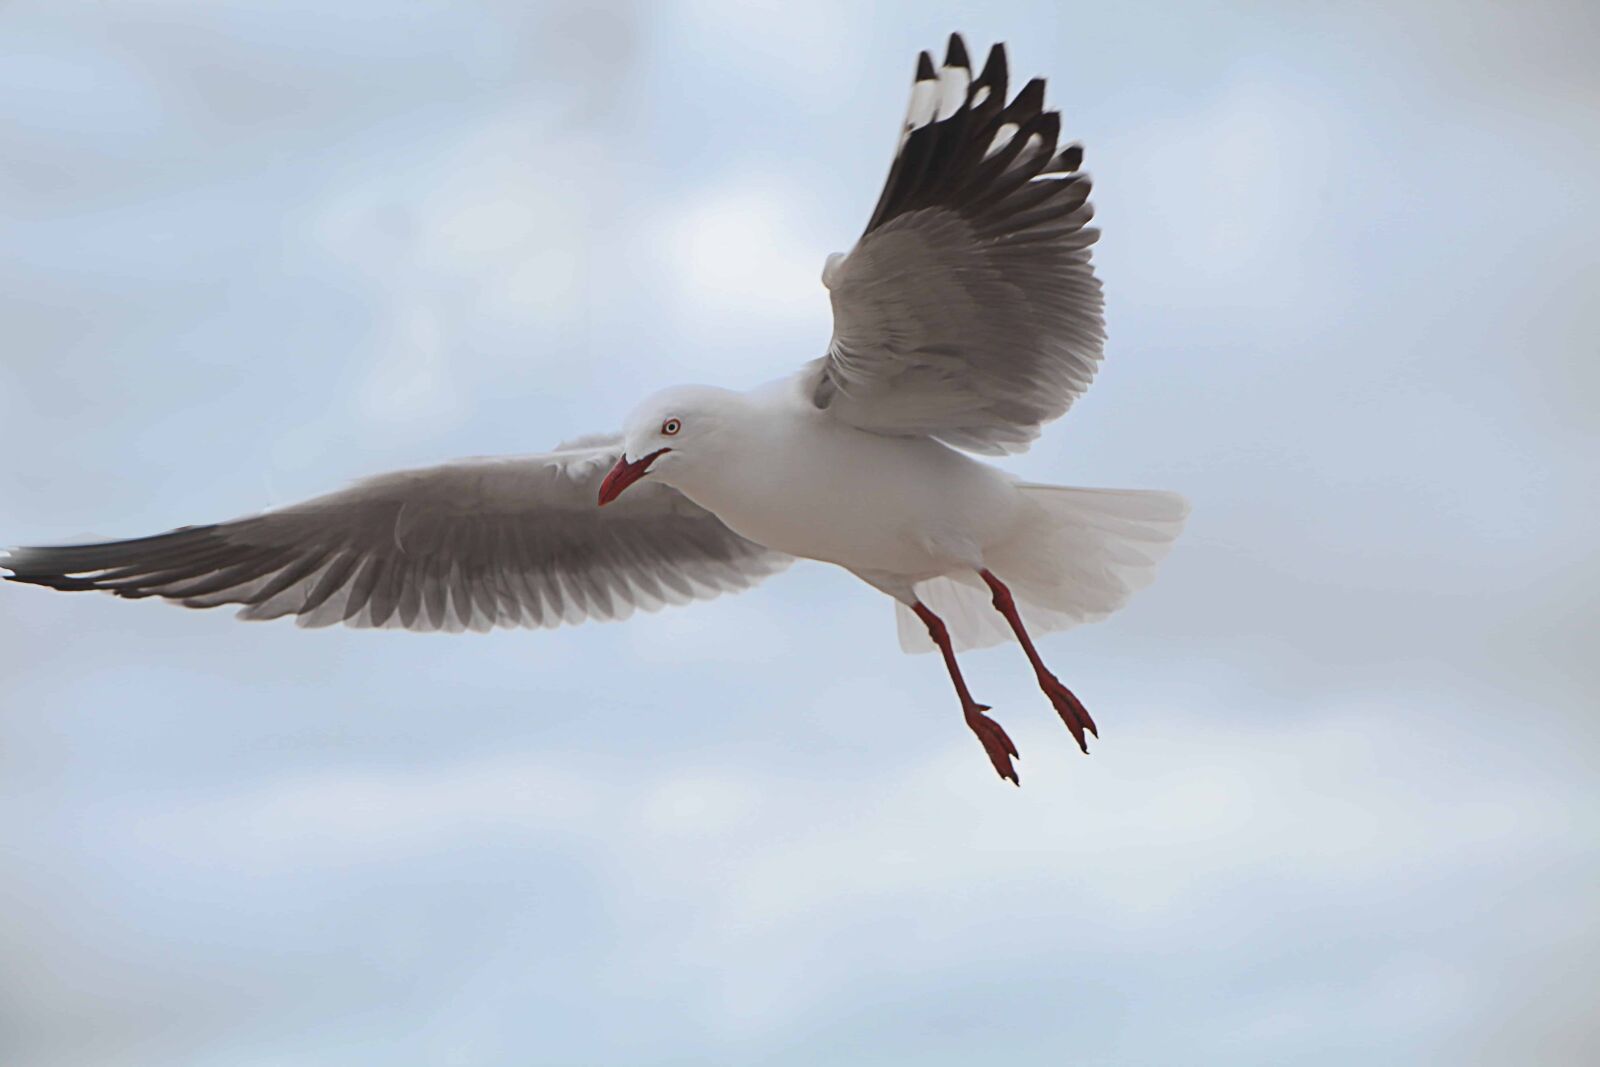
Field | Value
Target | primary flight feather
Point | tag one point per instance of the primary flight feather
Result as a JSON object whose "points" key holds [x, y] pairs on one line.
{"points": [[966, 317]]}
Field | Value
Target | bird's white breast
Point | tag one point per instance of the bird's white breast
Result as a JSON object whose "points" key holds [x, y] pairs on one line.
{"points": [[796, 480]]}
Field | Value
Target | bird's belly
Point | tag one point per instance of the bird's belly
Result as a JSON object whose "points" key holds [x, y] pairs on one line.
{"points": [[901, 511], [839, 530]]}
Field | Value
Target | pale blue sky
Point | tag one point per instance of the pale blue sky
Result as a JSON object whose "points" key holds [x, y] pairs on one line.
{"points": [[1344, 806]]}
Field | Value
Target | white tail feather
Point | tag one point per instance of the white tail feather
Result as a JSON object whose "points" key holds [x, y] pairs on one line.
{"points": [[1084, 555]]}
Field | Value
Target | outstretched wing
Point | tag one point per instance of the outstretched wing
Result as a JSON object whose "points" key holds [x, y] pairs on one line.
{"points": [[968, 310], [472, 544]]}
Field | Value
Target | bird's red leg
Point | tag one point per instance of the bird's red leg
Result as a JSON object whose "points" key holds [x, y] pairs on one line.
{"points": [[1071, 710], [995, 741]]}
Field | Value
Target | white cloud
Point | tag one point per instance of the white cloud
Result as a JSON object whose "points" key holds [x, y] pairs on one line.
{"points": [[808, 57], [409, 381], [739, 257], [1175, 829], [481, 234], [1225, 205], [350, 818], [499, 210], [707, 807]]}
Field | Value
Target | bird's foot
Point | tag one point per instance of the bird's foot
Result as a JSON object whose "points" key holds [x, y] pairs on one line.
{"points": [[1070, 708], [995, 741]]}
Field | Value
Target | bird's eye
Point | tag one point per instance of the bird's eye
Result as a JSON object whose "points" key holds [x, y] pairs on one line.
{"points": [[671, 426]]}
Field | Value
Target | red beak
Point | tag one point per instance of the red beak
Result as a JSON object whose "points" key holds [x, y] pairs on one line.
{"points": [[624, 474]]}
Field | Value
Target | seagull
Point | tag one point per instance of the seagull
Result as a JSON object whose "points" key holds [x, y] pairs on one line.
{"points": [[966, 317]]}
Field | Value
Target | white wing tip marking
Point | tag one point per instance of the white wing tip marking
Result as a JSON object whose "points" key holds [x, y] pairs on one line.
{"points": [[953, 85], [924, 104]]}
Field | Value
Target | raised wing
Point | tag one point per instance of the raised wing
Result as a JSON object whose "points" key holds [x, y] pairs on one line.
{"points": [[472, 544], [968, 310]]}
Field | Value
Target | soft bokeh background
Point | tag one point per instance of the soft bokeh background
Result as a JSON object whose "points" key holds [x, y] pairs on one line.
{"points": [[1345, 806]]}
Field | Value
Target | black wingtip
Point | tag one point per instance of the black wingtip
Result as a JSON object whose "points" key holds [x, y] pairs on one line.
{"points": [[956, 53], [994, 68], [1031, 97], [64, 582], [982, 159]]}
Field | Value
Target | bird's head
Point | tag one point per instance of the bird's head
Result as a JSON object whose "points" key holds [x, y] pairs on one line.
{"points": [[668, 435]]}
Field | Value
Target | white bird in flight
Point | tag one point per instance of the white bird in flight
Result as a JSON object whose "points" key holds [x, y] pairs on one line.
{"points": [[965, 318]]}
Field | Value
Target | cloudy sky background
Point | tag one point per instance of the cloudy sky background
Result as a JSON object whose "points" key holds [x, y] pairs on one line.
{"points": [[1344, 808]]}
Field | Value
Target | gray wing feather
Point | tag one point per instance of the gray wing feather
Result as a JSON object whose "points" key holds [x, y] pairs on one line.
{"points": [[473, 544], [969, 310]]}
